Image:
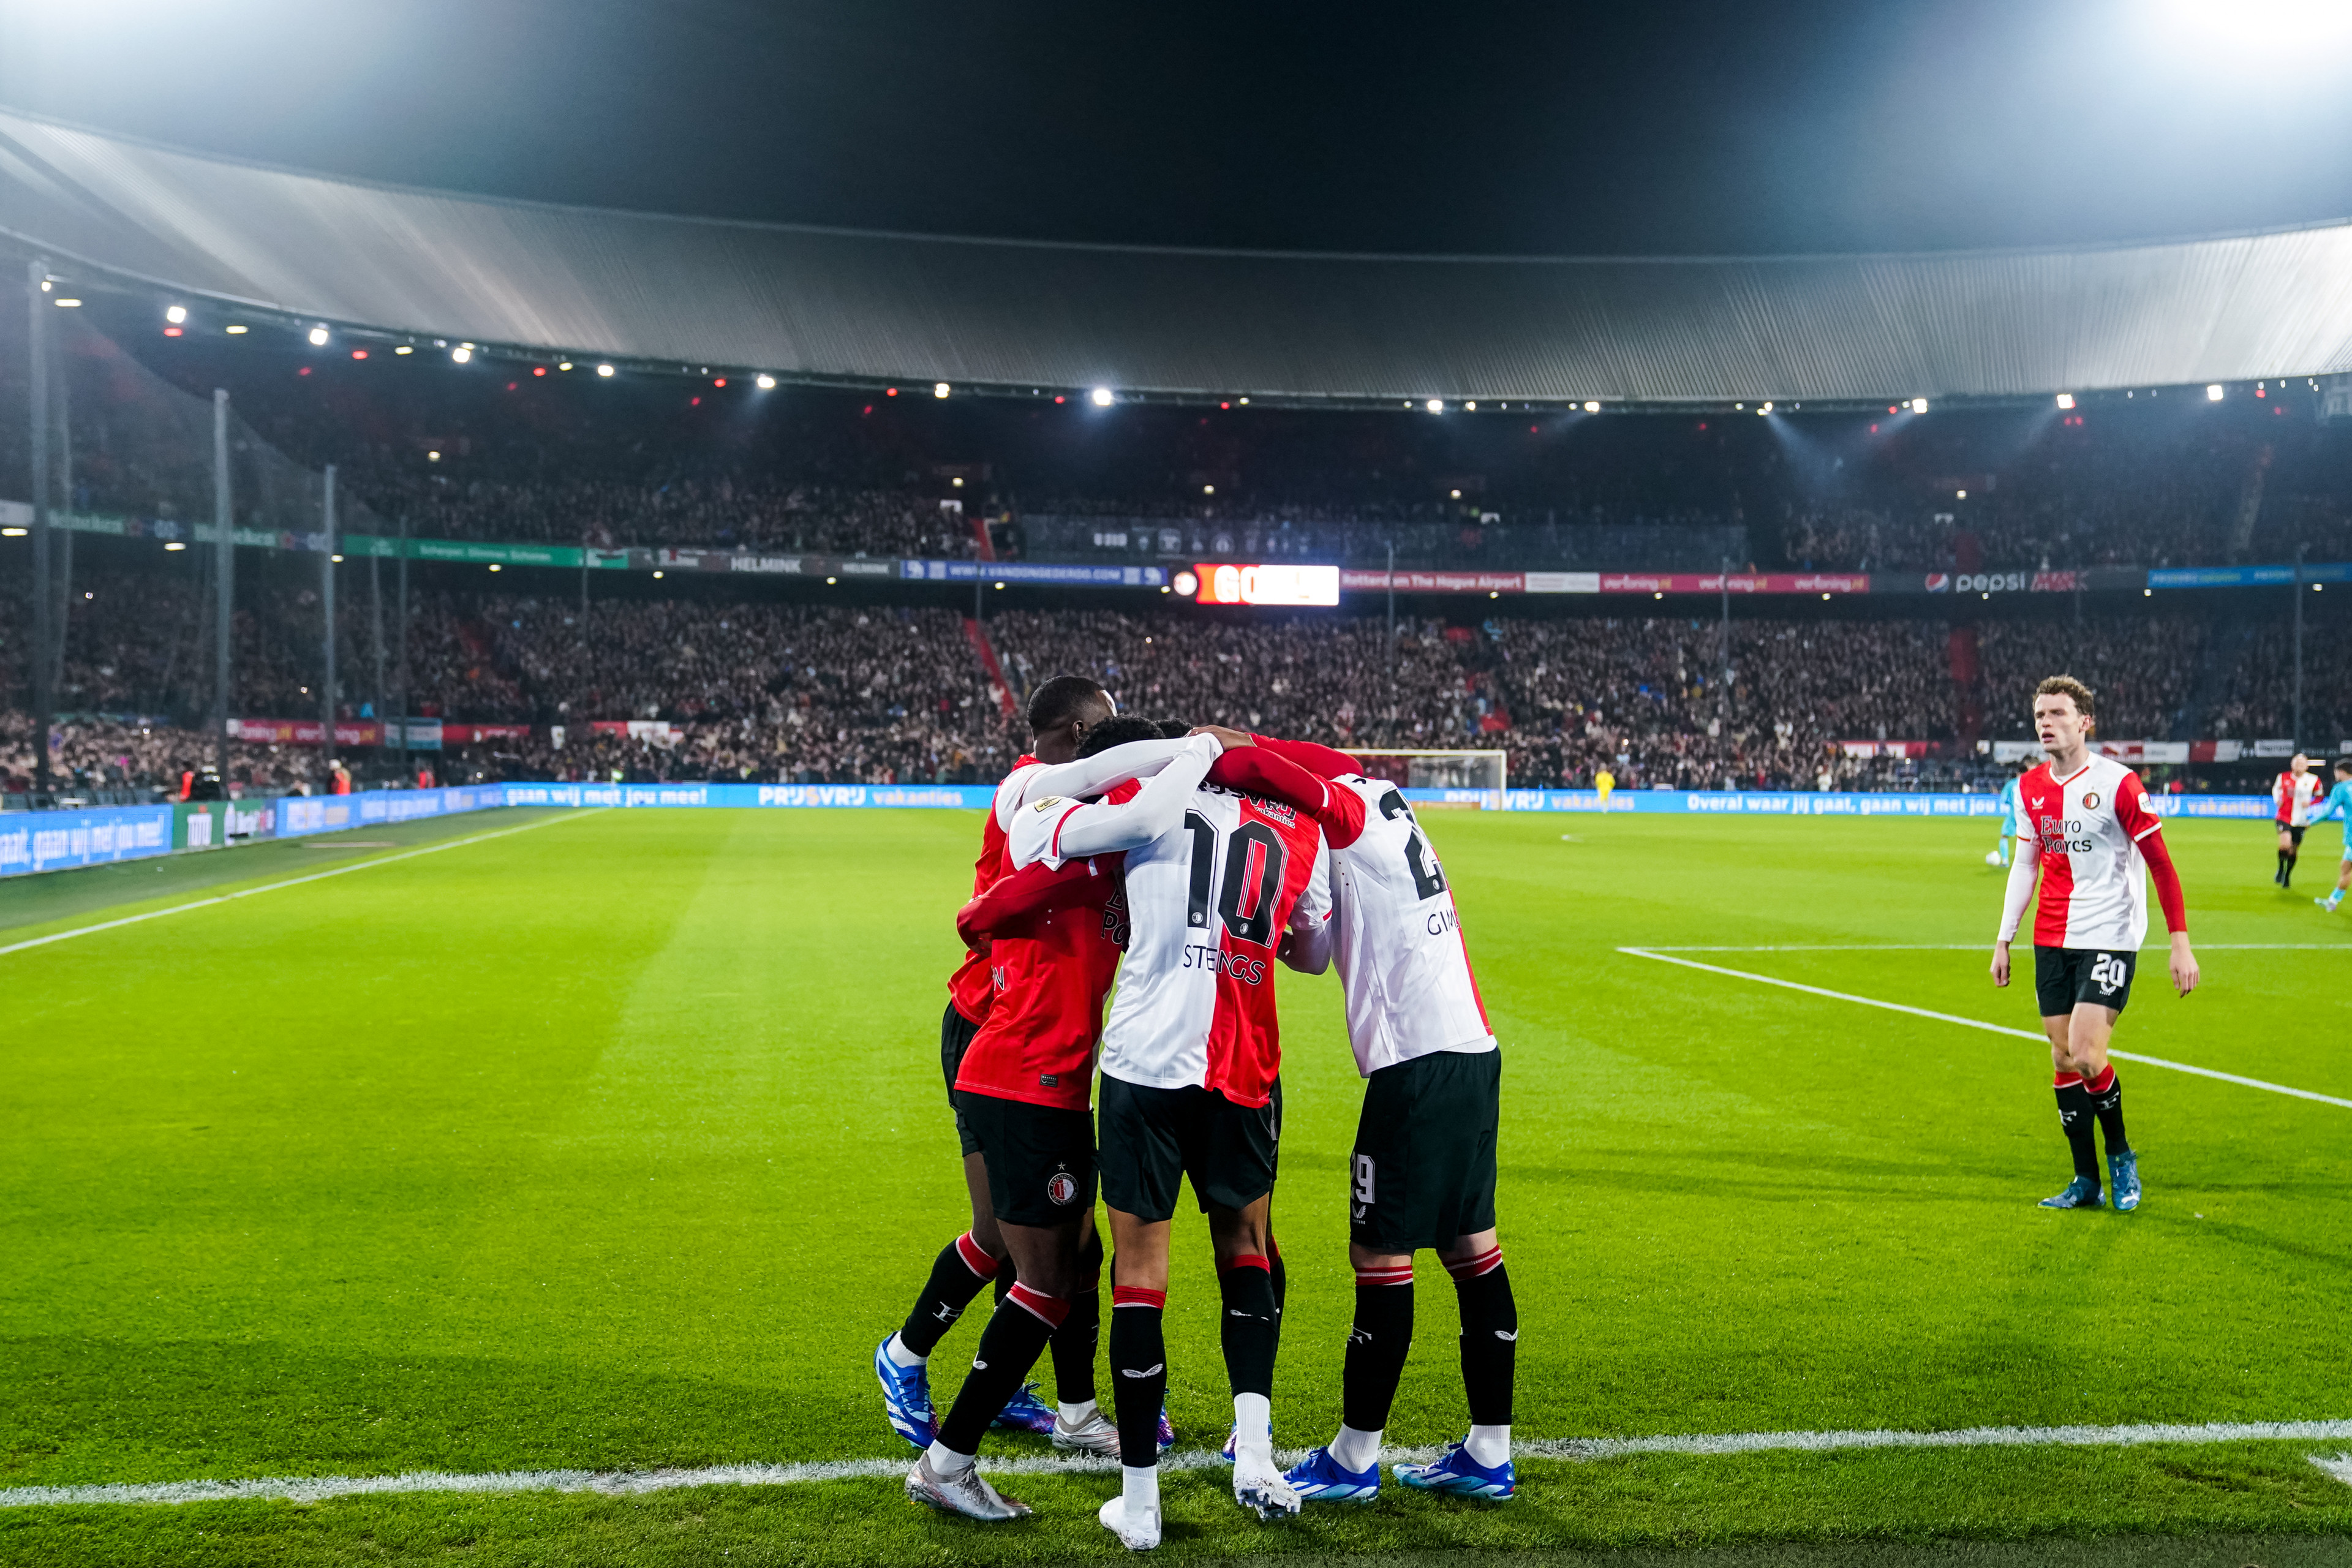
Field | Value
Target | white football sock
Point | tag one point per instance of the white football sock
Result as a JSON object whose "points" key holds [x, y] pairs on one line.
{"points": [[1077, 1414], [1139, 1486], [1489, 1445], [946, 1463], [895, 1349], [1354, 1450], [1253, 1425]]}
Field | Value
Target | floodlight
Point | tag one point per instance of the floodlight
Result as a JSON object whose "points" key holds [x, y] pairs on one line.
{"points": [[14, 532], [1435, 405], [237, 328], [318, 337], [939, 389], [404, 349], [1592, 408], [603, 370], [2066, 400], [461, 354], [566, 364], [432, 457], [1471, 408], [1764, 407], [766, 384], [68, 304], [1208, 489], [176, 314], [176, 545], [1100, 396], [494, 565], [1918, 405], [2213, 393]]}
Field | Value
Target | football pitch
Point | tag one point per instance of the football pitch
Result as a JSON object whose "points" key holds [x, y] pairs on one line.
{"points": [[613, 1141]]}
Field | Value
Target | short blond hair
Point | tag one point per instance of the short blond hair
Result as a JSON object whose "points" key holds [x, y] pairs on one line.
{"points": [[2068, 687]]}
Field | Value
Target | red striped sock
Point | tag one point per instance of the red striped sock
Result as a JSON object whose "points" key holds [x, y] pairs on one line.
{"points": [[1049, 1310], [975, 1257], [1485, 1262]]}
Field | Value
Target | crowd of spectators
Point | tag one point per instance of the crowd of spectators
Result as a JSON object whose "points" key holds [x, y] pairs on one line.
{"points": [[768, 692]]}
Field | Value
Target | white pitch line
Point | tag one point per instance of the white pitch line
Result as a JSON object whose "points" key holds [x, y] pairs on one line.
{"points": [[2034, 1036], [1987, 947], [291, 882], [629, 1483]]}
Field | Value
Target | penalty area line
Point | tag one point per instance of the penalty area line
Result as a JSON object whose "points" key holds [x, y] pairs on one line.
{"points": [[291, 882], [629, 1483], [2037, 1038]]}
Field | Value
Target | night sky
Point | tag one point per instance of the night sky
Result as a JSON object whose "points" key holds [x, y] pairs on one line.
{"points": [[1529, 129]]}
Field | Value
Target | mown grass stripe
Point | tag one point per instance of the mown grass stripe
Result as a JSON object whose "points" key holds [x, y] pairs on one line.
{"points": [[2035, 1037]]}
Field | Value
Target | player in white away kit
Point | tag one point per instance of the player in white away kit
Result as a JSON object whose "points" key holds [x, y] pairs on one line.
{"points": [[2292, 794], [2095, 847], [1422, 1171], [1191, 1063]]}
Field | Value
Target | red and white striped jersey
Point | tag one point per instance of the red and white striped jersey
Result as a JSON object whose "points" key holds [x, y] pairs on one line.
{"points": [[2087, 828], [2293, 794], [1397, 940], [1208, 902]]}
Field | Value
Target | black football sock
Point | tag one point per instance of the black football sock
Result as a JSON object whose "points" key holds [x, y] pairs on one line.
{"points": [[1138, 1367], [2080, 1123], [957, 1275], [1247, 1331], [1015, 1337], [1076, 1341], [1006, 1278], [2106, 1096], [1281, 1276], [2286, 875], [1490, 1336], [1377, 1346]]}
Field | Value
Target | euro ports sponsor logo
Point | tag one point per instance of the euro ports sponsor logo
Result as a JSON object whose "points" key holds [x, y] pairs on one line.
{"points": [[1248, 971]]}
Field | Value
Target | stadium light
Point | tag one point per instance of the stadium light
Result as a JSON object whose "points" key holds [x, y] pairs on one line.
{"points": [[939, 389], [2213, 393], [1208, 489], [237, 328], [404, 349], [766, 384], [14, 532], [336, 559], [603, 370], [318, 337], [1763, 408], [1435, 405], [2066, 400], [1918, 405], [1592, 408], [176, 314], [564, 364], [68, 304], [1470, 408], [461, 353], [176, 545], [1100, 396], [494, 565], [432, 457]]}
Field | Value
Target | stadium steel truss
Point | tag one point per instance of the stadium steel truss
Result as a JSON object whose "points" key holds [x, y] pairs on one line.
{"points": [[1028, 318]]}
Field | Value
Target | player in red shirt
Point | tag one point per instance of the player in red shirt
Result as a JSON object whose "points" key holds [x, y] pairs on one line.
{"points": [[2293, 794], [2095, 845], [1061, 711]]}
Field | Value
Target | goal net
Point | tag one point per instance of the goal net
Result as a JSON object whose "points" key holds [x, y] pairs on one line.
{"points": [[1470, 778]]}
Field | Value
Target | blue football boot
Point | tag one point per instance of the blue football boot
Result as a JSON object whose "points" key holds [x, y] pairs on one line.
{"points": [[2082, 1193], [2123, 1174], [1319, 1478], [1167, 1429], [1457, 1472], [906, 1396], [1227, 1453], [1025, 1412]]}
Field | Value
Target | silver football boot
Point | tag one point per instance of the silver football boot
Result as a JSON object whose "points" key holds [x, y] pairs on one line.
{"points": [[968, 1494]]}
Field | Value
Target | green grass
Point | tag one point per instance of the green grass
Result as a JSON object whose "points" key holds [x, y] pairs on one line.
{"points": [[617, 1144]]}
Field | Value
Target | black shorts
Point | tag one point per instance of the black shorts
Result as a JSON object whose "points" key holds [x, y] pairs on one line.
{"points": [[2293, 834], [2065, 975], [1424, 1169], [1041, 1157], [1153, 1138], [956, 1033]]}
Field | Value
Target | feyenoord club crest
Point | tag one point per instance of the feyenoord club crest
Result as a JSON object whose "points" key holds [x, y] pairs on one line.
{"points": [[2090, 800], [1062, 1187]]}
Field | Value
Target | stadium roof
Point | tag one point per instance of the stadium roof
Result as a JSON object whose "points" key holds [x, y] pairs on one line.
{"points": [[831, 304]]}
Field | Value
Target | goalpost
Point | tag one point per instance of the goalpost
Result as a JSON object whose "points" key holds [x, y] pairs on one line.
{"points": [[1473, 778]]}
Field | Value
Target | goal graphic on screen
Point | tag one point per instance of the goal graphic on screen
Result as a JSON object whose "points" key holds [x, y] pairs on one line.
{"points": [[1478, 778]]}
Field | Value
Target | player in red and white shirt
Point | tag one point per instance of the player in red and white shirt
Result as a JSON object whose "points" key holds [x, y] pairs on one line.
{"points": [[1191, 1057], [2293, 794], [1422, 1171], [2094, 845]]}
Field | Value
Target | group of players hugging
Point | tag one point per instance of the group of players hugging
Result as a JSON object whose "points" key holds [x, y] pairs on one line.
{"points": [[1186, 863]]}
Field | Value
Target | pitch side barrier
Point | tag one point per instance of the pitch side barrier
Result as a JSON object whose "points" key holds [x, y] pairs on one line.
{"points": [[59, 841]]}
